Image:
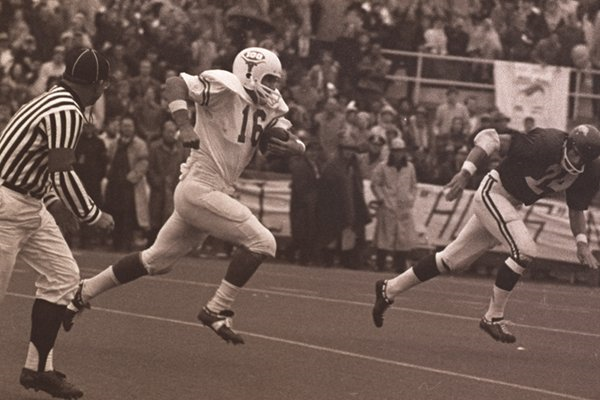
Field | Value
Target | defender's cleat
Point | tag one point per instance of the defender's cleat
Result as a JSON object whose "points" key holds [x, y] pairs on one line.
{"points": [[382, 303], [497, 329], [75, 307], [220, 323], [52, 382]]}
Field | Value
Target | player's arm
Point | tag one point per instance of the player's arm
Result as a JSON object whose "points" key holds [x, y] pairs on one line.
{"points": [[292, 146], [176, 94], [487, 142], [578, 228], [65, 182]]}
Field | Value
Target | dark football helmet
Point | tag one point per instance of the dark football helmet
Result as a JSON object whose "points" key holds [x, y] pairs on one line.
{"points": [[585, 139]]}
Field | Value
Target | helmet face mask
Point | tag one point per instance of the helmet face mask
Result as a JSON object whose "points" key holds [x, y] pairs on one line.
{"points": [[568, 165], [251, 66]]}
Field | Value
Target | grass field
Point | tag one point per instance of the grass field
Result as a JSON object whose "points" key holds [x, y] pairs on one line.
{"points": [[309, 336]]}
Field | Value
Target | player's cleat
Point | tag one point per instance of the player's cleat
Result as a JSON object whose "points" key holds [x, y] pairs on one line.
{"points": [[52, 382], [221, 324], [75, 307], [497, 329], [382, 303]]}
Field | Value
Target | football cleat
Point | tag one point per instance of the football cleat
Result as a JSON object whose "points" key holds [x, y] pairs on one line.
{"points": [[52, 382], [75, 307], [497, 329], [221, 324], [382, 303]]}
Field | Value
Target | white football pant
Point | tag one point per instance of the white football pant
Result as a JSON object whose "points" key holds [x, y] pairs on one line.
{"points": [[496, 220], [201, 211]]}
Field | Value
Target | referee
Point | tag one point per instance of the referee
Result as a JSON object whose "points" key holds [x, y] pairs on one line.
{"points": [[40, 194]]}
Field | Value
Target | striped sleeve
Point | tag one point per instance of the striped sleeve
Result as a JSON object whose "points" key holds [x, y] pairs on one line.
{"points": [[50, 197], [200, 88], [70, 189], [63, 128]]}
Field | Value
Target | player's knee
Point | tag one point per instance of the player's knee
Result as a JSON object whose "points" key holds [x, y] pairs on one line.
{"points": [[265, 244], [526, 254], [156, 266], [447, 264]]}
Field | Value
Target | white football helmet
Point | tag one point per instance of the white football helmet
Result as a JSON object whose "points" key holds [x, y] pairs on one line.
{"points": [[251, 65]]}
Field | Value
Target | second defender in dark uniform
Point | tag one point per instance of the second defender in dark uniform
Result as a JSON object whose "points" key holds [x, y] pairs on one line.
{"points": [[543, 162]]}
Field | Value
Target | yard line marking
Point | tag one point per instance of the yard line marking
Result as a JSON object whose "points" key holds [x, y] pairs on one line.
{"points": [[363, 304], [344, 353], [293, 290]]}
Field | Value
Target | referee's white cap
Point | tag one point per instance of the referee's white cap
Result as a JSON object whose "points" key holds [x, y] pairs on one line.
{"points": [[86, 66]]}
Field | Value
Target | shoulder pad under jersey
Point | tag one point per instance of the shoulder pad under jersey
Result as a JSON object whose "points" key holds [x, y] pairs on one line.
{"points": [[228, 80]]}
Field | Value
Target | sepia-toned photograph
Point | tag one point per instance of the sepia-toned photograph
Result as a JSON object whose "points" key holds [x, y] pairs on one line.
{"points": [[299, 199]]}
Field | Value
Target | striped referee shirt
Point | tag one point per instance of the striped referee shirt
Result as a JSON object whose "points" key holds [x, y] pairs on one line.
{"points": [[53, 120]]}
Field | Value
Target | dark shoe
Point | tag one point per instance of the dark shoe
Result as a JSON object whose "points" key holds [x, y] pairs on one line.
{"points": [[382, 303], [75, 307], [221, 324], [497, 329], [52, 382]]}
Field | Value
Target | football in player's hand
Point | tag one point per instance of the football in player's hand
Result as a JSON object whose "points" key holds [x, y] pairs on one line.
{"points": [[273, 132]]}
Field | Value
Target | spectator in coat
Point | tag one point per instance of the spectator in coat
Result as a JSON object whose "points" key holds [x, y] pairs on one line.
{"points": [[373, 157], [150, 115], [341, 208], [329, 123], [165, 157], [90, 165], [306, 172], [50, 71], [394, 185], [448, 110], [126, 187]]}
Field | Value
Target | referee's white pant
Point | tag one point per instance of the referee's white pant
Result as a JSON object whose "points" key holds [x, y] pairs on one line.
{"points": [[29, 233]]}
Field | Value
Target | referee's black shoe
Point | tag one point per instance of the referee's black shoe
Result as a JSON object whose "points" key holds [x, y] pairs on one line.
{"points": [[382, 303], [75, 307], [52, 382]]}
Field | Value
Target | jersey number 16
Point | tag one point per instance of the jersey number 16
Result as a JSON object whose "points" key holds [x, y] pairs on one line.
{"points": [[257, 117]]}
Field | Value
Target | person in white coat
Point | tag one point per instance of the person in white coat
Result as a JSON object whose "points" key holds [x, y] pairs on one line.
{"points": [[394, 185]]}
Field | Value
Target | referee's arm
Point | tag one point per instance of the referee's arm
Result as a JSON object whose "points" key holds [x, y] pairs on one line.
{"points": [[63, 129]]}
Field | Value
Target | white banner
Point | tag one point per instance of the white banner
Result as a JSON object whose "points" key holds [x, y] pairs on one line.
{"points": [[437, 220], [532, 90]]}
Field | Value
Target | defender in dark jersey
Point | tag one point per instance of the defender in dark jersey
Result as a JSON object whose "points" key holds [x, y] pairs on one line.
{"points": [[540, 163], [40, 192]]}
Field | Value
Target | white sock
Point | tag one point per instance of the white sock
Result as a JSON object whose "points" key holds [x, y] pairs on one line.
{"points": [[401, 283], [497, 303], [50, 361], [223, 297], [33, 359], [99, 283]]}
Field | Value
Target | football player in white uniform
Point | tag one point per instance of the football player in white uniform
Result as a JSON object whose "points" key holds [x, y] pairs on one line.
{"points": [[232, 111], [541, 163]]}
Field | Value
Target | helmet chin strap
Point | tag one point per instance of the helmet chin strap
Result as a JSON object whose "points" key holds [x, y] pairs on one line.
{"points": [[568, 165]]}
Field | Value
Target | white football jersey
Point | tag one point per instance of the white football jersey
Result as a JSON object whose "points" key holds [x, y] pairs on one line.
{"points": [[228, 124]]}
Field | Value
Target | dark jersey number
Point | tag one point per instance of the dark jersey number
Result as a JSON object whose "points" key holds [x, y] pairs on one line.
{"points": [[258, 116]]}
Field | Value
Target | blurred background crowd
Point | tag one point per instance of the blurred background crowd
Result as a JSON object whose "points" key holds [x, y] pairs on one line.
{"points": [[333, 52]]}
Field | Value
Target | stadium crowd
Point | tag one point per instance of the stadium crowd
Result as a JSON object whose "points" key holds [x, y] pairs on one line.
{"points": [[335, 85]]}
